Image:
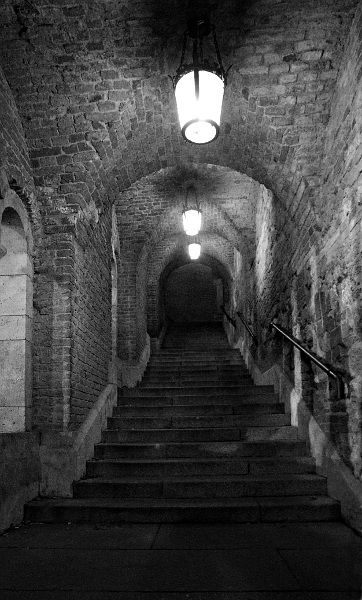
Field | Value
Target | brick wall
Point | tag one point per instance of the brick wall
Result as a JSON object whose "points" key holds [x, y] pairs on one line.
{"points": [[14, 156], [91, 317], [308, 266]]}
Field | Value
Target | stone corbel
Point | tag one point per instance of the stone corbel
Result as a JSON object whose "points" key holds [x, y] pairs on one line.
{"points": [[3, 251]]}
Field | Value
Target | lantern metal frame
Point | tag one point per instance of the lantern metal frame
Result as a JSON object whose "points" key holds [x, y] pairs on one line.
{"points": [[197, 29], [195, 205]]}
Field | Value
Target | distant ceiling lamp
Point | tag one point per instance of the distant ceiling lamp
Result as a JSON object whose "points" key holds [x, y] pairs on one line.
{"points": [[191, 214], [194, 251], [199, 86]]}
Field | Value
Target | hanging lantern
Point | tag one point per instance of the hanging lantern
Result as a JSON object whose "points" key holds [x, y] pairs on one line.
{"points": [[191, 214], [194, 251], [199, 86]]}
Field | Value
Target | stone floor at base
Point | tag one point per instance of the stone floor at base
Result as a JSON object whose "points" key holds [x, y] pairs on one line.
{"points": [[298, 561]]}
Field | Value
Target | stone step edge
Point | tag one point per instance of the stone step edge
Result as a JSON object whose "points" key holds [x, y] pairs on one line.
{"points": [[192, 460], [198, 419], [202, 406], [288, 477], [278, 443], [167, 510], [176, 430]]}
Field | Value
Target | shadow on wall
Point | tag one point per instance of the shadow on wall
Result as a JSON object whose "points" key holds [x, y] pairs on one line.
{"points": [[193, 294]]}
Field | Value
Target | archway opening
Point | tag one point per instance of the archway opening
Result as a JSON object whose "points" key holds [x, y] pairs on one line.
{"points": [[193, 293]]}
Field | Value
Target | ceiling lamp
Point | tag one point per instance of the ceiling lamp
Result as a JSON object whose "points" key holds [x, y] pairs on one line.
{"points": [[199, 86], [191, 214], [194, 251]]}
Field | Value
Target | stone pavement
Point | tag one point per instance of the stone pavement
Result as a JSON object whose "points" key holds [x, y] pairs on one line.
{"points": [[297, 561]]}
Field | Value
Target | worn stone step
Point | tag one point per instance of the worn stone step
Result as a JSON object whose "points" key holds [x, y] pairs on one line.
{"points": [[165, 468], [250, 396], [191, 410], [240, 449], [197, 369], [177, 382], [189, 386], [205, 434], [157, 436], [176, 375], [159, 510], [190, 467], [182, 422], [202, 487], [198, 390], [189, 363], [207, 369]]}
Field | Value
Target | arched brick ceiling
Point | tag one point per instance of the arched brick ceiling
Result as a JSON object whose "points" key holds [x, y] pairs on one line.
{"points": [[151, 209], [90, 79]]}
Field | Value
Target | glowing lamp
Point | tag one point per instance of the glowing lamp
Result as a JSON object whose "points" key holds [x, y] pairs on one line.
{"points": [[199, 87], [194, 251], [191, 214]]}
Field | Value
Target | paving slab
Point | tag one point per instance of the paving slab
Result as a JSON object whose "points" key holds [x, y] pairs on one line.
{"points": [[295, 561], [144, 570], [326, 568], [124, 536], [289, 535], [105, 595]]}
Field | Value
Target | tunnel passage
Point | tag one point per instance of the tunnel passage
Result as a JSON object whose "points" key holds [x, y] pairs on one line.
{"points": [[193, 293]]}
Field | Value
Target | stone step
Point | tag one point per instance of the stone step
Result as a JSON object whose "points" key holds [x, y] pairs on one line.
{"points": [[240, 449], [195, 362], [211, 368], [159, 510], [214, 380], [206, 434], [190, 467], [202, 487], [251, 395], [190, 410], [182, 422], [198, 391]]}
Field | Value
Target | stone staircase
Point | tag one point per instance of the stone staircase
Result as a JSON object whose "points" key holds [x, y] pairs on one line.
{"points": [[196, 441]]}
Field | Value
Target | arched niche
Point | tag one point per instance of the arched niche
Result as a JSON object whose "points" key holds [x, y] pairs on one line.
{"points": [[16, 315]]}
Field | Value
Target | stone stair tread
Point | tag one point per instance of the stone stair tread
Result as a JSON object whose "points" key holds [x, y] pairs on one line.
{"points": [[199, 478], [233, 443], [150, 502], [306, 459], [194, 400], [248, 408], [198, 429], [240, 421]]}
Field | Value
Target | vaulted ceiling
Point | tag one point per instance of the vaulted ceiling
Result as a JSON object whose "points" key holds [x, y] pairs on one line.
{"points": [[91, 83]]}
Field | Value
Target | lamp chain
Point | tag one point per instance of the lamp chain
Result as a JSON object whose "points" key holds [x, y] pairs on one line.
{"points": [[224, 74]]}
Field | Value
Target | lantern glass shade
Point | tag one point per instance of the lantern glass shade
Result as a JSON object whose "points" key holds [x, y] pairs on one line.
{"points": [[194, 251], [191, 221], [199, 117]]}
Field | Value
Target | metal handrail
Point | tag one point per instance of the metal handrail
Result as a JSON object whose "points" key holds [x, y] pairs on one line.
{"points": [[340, 378], [230, 319], [247, 327]]}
